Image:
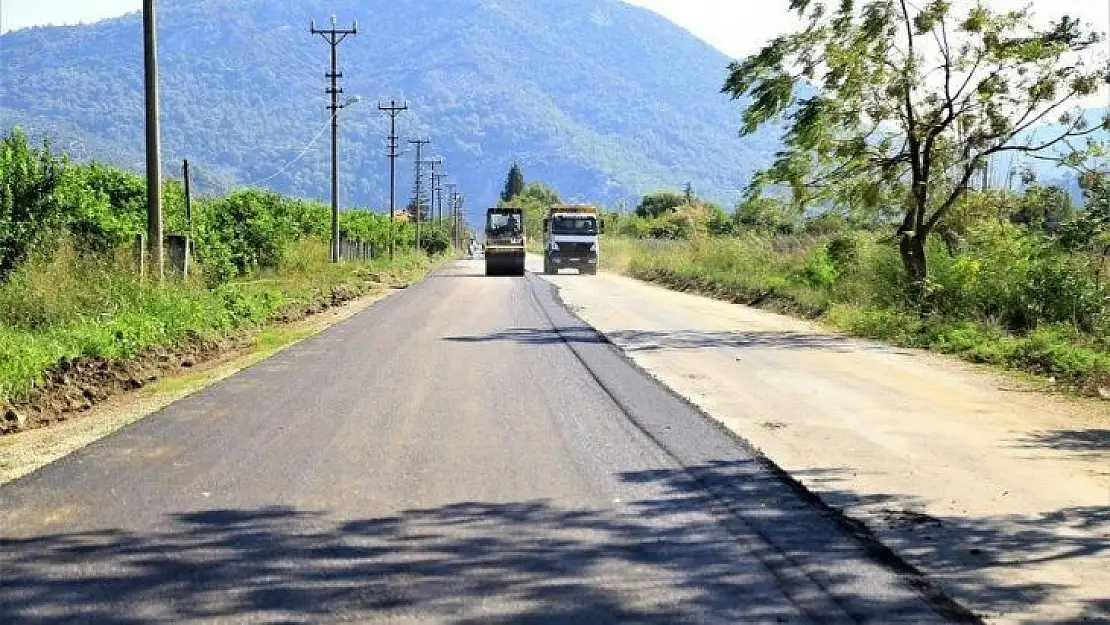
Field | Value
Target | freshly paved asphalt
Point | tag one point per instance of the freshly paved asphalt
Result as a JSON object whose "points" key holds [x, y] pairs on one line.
{"points": [[463, 451]]}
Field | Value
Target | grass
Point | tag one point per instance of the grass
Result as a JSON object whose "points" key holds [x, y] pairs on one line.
{"points": [[860, 297], [67, 307]]}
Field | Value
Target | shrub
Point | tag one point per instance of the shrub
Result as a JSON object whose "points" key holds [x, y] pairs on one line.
{"points": [[658, 204], [29, 179]]}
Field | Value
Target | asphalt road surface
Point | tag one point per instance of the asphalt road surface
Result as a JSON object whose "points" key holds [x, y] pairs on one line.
{"points": [[464, 451]]}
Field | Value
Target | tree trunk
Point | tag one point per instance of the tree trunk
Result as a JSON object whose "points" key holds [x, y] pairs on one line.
{"points": [[912, 248]]}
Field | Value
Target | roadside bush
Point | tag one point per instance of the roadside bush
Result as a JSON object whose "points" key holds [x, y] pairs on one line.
{"points": [[435, 241], [819, 271], [29, 179], [843, 251], [1017, 278], [105, 207], [826, 224], [658, 204]]}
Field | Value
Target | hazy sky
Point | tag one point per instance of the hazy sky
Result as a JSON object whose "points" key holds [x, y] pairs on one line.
{"points": [[734, 26]]}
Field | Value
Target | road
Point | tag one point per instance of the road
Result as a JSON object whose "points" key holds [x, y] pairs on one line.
{"points": [[464, 451]]}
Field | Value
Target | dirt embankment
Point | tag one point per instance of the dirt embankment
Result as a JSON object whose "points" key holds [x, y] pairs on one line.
{"points": [[734, 294], [74, 386]]}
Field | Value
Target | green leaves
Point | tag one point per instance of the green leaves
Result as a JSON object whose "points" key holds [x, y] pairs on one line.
{"points": [[977, 20], [931, 16], [656, 204], [29, 180]]}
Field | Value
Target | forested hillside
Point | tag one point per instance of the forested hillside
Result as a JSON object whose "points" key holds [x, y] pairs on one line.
{"points": [[600, 99]]}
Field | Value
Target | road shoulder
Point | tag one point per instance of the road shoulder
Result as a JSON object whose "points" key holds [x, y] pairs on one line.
{"points": [[1001, 494]]}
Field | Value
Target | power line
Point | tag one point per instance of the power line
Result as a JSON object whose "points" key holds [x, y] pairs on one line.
{"points": [[294, 160]]}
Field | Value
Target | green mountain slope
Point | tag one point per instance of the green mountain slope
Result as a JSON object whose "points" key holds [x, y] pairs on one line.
{"points": [[602, 99]]}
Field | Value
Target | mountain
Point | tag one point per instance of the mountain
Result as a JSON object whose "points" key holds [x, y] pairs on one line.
{"points": [[603, 100]]}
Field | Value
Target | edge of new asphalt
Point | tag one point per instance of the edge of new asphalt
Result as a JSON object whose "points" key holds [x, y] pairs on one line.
{"points": [[718, 444]]}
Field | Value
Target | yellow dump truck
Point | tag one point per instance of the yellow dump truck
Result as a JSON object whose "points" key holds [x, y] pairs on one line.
{"points": [[504, 248], [571, 238]]}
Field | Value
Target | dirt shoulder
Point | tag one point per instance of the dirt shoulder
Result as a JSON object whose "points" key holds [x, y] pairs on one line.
{"points": [[999, 492], [153, 383]]}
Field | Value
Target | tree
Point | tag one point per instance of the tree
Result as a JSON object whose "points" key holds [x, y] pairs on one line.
{"points": [[535, 200], [719, 223], [656, 204], [105, 207], [514, 184], [917, 97], [1090, 230], [764, 214], [29, 210]]}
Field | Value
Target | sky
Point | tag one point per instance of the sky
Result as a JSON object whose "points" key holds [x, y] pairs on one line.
{"points": [[733, 26]]}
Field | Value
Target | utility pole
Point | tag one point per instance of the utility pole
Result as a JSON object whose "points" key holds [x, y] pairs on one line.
{"points": [[418, 185], [334, 36], [153, 142], [432, 163], [439, 196], [451, 204], [436, 191], [393, 111], [458, 215], [431, 189], [188, 203]]}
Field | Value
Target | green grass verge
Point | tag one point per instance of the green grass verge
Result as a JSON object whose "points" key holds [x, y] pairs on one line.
{"points": [[68, 307]]}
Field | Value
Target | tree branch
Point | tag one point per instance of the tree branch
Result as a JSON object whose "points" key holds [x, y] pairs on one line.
{"points": [[1027, 148], [969, 170]]}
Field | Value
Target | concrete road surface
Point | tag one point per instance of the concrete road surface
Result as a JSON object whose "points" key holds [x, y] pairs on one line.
{"points": [[465, 451]]}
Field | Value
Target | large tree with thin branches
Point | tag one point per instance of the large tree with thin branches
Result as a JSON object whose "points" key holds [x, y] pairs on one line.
{"points": [[901, 101]]}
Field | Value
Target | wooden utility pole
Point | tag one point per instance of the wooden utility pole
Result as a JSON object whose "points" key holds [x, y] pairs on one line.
{"points": [[393, 111], [433, 188], [153, 142], [458, 203], [439, 196], [188, 202], [334, 36], [451, 196]]}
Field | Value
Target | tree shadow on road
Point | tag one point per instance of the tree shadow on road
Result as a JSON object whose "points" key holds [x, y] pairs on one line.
{"points": [[981, 555], [660, 559], [1070, 440], [697, 551]]}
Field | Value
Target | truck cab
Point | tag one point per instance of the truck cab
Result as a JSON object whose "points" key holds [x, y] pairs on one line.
{"points": [[571, 239]]}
